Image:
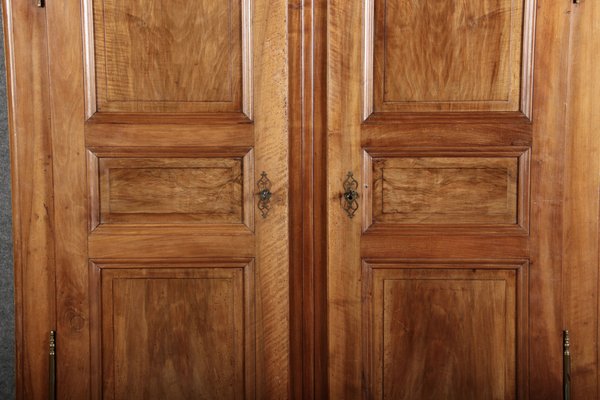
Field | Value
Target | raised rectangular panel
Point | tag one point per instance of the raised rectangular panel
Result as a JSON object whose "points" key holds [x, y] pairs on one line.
{"points": [[470, 56], [154, 56], [444, 331], [173, 330], [175, 188], [446, 188]]}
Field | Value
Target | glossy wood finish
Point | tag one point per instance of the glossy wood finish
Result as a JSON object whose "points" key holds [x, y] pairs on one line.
{"points": [[151, 319], [32, 198], [155, 57], [308, 198], [547, 180], [437, 190], [446, 56], [459, 340], [170, 190], [325, 304], [395, 139], [582, 201], [139, 187]]}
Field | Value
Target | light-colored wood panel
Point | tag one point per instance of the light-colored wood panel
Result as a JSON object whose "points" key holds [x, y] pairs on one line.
{"points": [[199, 343], [385, 245], [344, 95], [162, 57], [271, 127], [445, 56], [153, 243], [435, 190], [450, 131], [459, 339], [165, 135], [150, 190]]}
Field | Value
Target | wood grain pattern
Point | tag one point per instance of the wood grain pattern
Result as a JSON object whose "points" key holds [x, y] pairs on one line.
{"points": [[451, 56], [395, 127], [32, 198], [184, 134], [188, 142], [547, 160], [443, 186], [450, 131], [460, 338], [344, 154], [170, 190], [581, 235], [160, 57], [308, 199], [176, 330], [272, 246], [70, 198], [435, 190]]}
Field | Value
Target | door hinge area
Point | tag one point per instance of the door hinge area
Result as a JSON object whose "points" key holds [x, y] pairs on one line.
{"points": [[40, 3], [566, 366], [52, 367]]}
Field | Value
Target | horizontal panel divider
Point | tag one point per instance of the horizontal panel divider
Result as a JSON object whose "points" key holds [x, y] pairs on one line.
{"points": [[444, 246], [152, 246], [132, 135], [486, 133]]}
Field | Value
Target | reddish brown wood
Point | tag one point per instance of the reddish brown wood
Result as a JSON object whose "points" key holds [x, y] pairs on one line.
{"points": [[490, 296], [205, 317], [324, 358], [550, 80], [32, 198], [581, 272], [99, 217], [308, 201], [389, 133]]}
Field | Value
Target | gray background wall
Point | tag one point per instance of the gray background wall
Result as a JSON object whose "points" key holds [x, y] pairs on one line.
{"points": [[7, 324]]}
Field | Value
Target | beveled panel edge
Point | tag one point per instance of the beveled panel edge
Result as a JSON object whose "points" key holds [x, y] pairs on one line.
{"points": [[521, 267], [89, 58], [247, 92], [526, 81], [446, 117], [521, 228], [95, 227], [225, 118], [368, 55], [246, 264], [527, 58], [247, 60]]}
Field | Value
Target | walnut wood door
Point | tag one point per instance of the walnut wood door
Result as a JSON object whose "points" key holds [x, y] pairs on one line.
{"points": [[171, 281], [442, 274]]}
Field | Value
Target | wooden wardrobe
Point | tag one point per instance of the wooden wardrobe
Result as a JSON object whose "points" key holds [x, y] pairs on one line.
{"points": [[306, 199]]}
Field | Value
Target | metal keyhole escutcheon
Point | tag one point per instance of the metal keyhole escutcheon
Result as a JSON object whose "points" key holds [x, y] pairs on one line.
{"points": [[264, 194], [350, 195]]}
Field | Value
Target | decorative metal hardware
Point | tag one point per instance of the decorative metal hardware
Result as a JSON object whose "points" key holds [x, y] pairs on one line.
{"points": [[264, 194], [566, 366], [52, 369], [350, 195]]}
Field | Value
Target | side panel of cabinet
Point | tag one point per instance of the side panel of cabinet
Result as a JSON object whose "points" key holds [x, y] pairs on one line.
{"points": [[582, 201], [32, 198]]}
